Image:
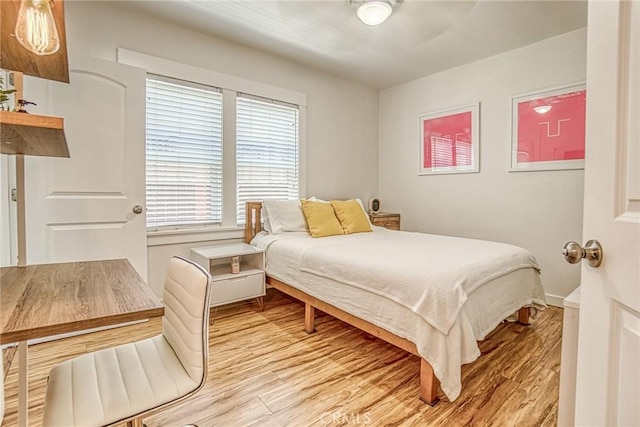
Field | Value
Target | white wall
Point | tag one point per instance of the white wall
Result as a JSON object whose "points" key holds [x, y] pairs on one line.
{"points": [[539, 211], [351, 126], [342, 129]]}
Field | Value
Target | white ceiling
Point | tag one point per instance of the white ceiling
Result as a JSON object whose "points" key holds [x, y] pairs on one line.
{"points": [[420, 37]]}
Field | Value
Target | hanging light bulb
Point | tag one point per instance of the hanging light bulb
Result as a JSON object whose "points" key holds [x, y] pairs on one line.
{"points": [[36, 29]]}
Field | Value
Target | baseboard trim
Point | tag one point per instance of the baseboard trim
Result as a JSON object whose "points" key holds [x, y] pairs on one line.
{"points": [[554, 300]]}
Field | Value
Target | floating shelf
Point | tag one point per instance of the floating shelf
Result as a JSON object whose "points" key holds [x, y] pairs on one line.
{"points": [[32, 135]]}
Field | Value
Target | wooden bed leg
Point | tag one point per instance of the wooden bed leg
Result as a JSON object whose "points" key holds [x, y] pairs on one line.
{"points": [[523, 316], [309, 318], [429, 384]]}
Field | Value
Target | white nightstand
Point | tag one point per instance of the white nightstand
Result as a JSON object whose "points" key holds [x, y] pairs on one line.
{"points": [[228, 287]]}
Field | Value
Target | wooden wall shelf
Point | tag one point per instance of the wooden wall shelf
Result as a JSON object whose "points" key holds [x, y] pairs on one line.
{"points": [[32, 135]]}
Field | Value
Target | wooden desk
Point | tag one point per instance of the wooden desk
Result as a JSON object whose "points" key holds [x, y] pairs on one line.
{"points": [[50, 299]]}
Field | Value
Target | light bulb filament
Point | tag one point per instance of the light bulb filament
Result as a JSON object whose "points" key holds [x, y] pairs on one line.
{"points": [[36, 29]]}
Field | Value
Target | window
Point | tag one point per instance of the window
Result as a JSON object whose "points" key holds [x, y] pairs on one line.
{"points": [[215, 141], [266, 151], [183, 153]]}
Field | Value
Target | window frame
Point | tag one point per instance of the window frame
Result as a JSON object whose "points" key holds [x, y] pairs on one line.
{"points": [[188, 84], [248, 98], [231, 86]]}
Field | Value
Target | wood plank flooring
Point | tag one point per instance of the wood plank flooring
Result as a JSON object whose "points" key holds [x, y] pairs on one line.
{"points": [[264, 370]]}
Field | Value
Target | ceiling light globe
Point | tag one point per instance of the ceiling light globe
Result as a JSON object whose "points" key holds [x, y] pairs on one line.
{"points": [[374, 12]]}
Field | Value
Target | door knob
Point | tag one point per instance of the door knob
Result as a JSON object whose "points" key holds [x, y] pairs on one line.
{"points": [[137, 209], [592, 252]]}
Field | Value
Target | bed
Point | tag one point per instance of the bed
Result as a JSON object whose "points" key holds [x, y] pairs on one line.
{"points": [[378, 281]]}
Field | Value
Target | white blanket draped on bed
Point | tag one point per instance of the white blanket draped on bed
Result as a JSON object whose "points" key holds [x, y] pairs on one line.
{"points": [[288, 254], [428, 274]]}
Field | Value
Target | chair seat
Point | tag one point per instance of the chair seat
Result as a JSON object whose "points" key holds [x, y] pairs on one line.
{"points": [[113, 384]]}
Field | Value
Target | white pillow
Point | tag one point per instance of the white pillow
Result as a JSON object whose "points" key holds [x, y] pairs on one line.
{"points": [[284, 216], [315, 199], [266, 226], [365, 212]]}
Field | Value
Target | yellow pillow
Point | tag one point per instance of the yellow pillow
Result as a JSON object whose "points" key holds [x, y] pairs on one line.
{"points": [[321, 219], [351, 216]]}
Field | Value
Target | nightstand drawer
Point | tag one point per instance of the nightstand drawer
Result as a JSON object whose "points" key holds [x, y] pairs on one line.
{"points": [[239, 288]]}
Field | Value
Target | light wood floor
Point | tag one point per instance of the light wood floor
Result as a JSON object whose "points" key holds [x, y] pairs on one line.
{"points": [[266, 371]]}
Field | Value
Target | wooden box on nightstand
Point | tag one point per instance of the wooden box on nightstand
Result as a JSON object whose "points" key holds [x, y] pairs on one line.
{"points": [[386, 219], [228, 287]]}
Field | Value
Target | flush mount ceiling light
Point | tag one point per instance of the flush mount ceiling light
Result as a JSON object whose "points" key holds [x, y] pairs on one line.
{"points": [[373, 12]]}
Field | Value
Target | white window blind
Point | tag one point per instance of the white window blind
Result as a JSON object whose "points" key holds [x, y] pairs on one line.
{"points": [[266, 151], [184, 153]]}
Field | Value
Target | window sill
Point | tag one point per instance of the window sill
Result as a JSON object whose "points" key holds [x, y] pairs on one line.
{"points": [[195, 235]]}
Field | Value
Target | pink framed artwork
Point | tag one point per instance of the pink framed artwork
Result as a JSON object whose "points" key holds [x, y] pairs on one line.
{"points": [[449, 141], [548, 130]]}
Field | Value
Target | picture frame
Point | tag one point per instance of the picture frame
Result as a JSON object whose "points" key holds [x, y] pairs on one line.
{"points": [[450, 141], [548, 129]]}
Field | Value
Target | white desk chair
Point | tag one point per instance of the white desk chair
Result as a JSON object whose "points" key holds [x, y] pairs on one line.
{"points": [[130, 381]]}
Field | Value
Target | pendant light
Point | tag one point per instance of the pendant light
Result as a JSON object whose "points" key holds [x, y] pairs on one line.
{"points": [[36, 29]]}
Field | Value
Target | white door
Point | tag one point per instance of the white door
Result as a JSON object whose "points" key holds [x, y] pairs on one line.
{"points": [[81, 208], [608, 372]]}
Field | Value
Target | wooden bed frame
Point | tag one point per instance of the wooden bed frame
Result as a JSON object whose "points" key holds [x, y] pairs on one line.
{"points": [[429, 384]]}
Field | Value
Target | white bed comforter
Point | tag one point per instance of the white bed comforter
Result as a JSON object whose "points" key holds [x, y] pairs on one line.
{"points": [[429, 275]]}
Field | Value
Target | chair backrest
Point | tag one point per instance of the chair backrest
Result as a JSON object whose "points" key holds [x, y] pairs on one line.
{"points": [[185, 325]]}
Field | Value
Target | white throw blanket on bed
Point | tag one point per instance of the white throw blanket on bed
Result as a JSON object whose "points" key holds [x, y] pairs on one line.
{"points": [[428, 274]]}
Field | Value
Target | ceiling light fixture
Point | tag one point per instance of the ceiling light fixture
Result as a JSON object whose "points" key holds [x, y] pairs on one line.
{"points": [[374, 12]]}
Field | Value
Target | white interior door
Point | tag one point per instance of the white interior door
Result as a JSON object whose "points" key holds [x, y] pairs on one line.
{"points": [[8, 212], [81, 208], [608, 372]]}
